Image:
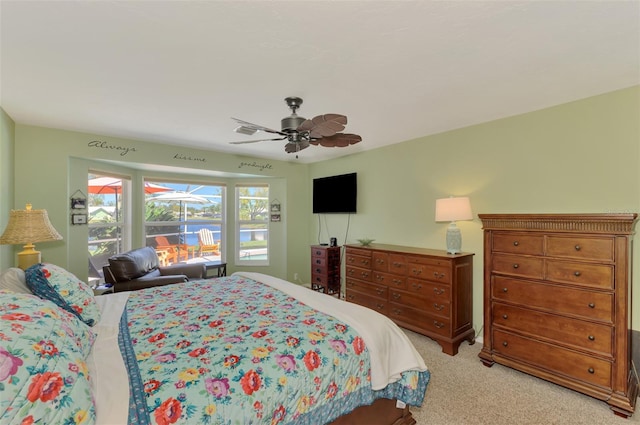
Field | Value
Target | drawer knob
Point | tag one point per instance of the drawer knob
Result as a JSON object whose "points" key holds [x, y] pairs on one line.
{"points": [[577, 274], [350, 296], [380, 306], [505, 343], [416, 286], [379, 291], [505, 290], [438, 325], [592, 338], [516, 243], [396, 296], [577, 247], [592, 305], [438, 291], [504, 316], [591, 370], [438, 307], [515, 266]]}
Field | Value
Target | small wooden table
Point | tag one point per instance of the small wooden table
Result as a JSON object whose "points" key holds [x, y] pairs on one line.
{"points": [[220, 266]]}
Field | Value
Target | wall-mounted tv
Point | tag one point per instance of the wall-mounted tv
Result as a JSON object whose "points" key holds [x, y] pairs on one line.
{"points": [[335, 194]]}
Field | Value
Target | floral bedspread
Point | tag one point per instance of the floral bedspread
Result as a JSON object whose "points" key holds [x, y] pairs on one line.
{"points": [[235, 351]]}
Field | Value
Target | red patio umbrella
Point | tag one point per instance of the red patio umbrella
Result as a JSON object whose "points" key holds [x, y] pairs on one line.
{"points": [[108, 185], [112, 185]]}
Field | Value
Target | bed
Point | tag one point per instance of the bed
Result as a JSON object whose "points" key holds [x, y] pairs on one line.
{"points": [[243, 349]]}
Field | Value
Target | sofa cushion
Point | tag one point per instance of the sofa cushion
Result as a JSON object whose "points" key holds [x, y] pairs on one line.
{"points": [[133, 264]]}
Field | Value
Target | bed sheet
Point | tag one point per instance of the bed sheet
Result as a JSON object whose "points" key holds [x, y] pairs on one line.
{"points": [[392, 352]]}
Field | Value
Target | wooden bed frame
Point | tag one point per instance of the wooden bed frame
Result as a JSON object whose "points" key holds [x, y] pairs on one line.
{"points": [[383, 411]]}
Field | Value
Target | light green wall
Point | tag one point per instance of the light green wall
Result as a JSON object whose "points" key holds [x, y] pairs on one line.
{"points": [[7, 133], [54, 164], [583, 156], [580, 157]]}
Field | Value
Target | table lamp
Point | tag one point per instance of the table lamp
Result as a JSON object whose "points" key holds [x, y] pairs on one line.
{"points": [[26, 227], [453, 209]]}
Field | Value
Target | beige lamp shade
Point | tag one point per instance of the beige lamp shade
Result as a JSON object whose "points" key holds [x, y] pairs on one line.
{"points": [[453, 209], [26, 227]]}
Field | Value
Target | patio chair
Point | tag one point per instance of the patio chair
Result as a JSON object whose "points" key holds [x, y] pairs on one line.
{"points": [[171, 253], [207, 244]]}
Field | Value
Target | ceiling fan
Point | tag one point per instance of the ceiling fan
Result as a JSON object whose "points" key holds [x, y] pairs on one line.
{"points": [[300, 132]]}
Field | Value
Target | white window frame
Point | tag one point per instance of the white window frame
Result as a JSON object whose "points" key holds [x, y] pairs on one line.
{"points": [[240, 255]]}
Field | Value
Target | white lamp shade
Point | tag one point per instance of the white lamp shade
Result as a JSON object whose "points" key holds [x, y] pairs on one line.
{"points": [[453, 209]]}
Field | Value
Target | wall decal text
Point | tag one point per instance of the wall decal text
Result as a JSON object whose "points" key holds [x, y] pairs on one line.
{"points": [[105, 145], [188, 158], [254, 164]]}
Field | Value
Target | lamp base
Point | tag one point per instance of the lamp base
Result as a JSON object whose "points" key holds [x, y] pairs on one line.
{"points": [[454, 239], [28, 257]]}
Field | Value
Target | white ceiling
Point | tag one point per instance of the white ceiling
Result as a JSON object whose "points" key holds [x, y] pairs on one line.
{"points": [[175, 72]]}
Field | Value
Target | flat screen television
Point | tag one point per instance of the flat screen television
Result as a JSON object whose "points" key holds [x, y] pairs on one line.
{"points": [[335, 194]]}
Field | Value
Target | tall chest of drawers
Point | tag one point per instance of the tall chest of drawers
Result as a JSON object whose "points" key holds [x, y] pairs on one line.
{"points": [[557, 301], [425, 290], [325, 269]]}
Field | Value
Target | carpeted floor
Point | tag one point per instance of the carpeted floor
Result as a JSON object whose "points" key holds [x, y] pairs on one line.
{"points": [[463, 391]]}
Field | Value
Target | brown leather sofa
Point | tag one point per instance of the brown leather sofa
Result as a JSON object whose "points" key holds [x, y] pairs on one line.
{"points": [[139, 269]]}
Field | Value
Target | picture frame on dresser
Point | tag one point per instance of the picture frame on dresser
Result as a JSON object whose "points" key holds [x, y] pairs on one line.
{"points": [[557, 301]]}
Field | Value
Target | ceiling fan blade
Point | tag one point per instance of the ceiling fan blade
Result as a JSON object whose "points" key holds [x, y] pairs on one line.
{"points": [[255, 141], [339, 140], [245, 125], [292, 147], [324, 125]]}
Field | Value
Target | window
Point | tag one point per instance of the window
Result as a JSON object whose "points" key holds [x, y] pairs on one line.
{"points": [[252, 225], [185, 221], [108, 209]]}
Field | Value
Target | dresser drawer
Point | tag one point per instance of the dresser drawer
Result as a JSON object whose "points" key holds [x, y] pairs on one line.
{"points": [[595, 275], [358, 273], [319, 252], [516, 243], [428, 290], [600, 249], [358, 251], [419, 319], [554, 298], [325, 280], [367, 300], [518, 266], [391, 280], [398, 264], [380, 261], [438, 307], [578, 333], [553, 358], [372, 289], [358, 260], [431, 272]]}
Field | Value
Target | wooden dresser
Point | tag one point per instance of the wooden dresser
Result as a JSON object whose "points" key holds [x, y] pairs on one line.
{"points": [[425, 290], [325, 269], [557, 301]]}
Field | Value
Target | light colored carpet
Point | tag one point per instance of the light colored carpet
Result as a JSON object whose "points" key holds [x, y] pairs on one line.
{"points": [[463, 391]]}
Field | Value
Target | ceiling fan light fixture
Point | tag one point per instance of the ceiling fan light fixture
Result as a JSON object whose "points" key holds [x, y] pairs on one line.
{"points": [[291, 123], [245, 130], [300, 133]]}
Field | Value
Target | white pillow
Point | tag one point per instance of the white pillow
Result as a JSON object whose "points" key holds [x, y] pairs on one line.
{"points": [[14, 280]]}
